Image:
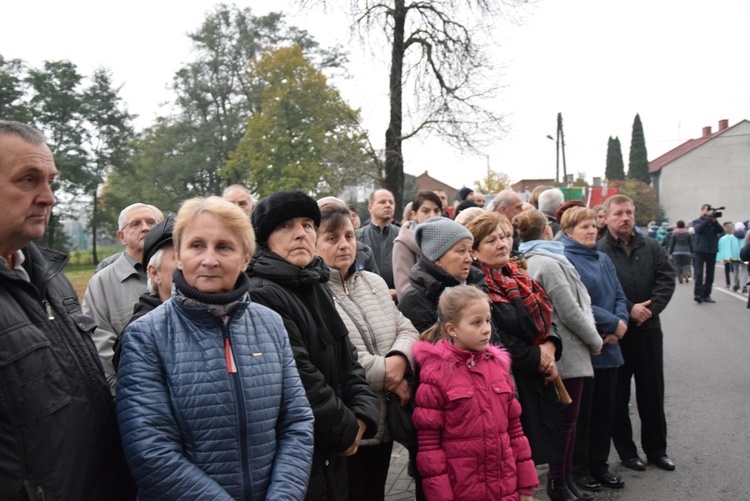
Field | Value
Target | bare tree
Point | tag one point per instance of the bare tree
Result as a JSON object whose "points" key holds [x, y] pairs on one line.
{"points": [[440, 59]]}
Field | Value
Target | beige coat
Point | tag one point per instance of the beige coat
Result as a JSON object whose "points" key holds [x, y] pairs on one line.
{"points": [[366, 307], [406, 253]]}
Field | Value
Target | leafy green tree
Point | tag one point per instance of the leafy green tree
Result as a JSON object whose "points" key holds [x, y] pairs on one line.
{"points": [[181, 155], [615, 166], [108, 134], [302, 136], [494, 182], [12, 90], [638, 164], [55, 107], [438, 62], [644, 197]]}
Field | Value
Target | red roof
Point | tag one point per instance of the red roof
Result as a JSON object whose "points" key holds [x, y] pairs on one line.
{"points": [[656, 164]]}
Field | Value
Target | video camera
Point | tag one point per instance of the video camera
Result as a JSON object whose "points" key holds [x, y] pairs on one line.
{"points": [[716, 211]]}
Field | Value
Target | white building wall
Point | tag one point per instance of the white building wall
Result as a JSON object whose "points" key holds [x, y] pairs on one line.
{"points": [[717, 172]]}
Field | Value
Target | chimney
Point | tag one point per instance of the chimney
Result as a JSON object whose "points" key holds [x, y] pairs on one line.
{"points": [[597, 182], [723, 124], [706, 131]]}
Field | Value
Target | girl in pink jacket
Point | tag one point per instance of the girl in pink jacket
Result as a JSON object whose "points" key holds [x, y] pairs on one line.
{"points": [[471, 444]]}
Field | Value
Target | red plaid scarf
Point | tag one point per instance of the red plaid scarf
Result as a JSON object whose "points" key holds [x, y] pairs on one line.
{"points": [[510, 284]]}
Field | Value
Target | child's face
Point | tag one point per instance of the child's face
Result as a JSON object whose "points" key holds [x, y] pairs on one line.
{"points": [[472, 331]]}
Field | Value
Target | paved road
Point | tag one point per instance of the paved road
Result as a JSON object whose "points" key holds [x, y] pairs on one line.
{"points": [[707, 372]]}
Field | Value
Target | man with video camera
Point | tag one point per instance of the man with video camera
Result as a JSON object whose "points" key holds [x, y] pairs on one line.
{"points": [[705, 246]]}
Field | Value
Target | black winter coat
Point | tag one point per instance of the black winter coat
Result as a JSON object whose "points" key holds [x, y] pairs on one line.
{"points": [[57, 419], [428, 280], [645, 274], [334, 381]]}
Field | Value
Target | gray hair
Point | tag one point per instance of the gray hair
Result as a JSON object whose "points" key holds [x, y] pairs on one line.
{"points": [[25, 132], [236, 187], [155, 263], [124, 213], [551, 200]]}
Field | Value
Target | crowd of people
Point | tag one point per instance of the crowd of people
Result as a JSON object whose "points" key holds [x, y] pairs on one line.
{"points": [[235, 351]]}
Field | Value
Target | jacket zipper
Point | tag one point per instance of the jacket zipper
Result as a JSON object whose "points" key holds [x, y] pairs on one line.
{"points": [[236, 383]]}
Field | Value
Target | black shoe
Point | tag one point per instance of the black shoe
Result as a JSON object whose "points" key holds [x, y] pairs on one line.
{"points": [[557, 490], [708, 299], [698, 299], [582, 496], [736, 288], [634, 464], [587, 483], [609, 480], [662, 462]]}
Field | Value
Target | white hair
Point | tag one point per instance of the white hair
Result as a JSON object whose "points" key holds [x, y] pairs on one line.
{"points": [[155, 263], [551, 200], [124, 213]]}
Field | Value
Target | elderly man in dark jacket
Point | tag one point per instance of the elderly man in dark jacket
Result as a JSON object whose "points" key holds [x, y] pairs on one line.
{"points": [[708, 231], [648, 282], [57, 421]]}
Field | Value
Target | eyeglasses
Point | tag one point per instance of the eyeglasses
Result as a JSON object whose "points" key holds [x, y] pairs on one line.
{"points": [[137, 223]]}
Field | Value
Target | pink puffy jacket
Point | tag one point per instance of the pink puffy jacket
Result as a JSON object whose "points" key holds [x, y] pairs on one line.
{"points": [[471, 444]]}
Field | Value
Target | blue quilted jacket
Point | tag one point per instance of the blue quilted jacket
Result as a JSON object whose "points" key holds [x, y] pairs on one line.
{"points": [[193, 430]]}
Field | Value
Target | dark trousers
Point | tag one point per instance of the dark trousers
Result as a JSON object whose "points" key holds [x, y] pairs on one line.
{"points": [[559, 469], [595, 423], [643, 352], [703, 284], [368, 471]]}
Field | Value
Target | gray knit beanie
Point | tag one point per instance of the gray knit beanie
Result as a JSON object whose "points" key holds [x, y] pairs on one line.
{"points": [[437, 235]]}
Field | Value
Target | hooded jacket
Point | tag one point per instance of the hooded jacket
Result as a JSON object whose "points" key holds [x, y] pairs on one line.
{"points": [[334, 381], [374, 324], [471, 443], [571, 313], [57, 418]]}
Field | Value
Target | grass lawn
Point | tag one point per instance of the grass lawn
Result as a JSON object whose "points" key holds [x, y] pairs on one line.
{"points": [[79, 276]]}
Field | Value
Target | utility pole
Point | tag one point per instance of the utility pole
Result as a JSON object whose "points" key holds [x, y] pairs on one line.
{"points": [[560, 148]]}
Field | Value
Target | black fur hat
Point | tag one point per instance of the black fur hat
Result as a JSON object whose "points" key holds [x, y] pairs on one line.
{"points": [[279, 207]]}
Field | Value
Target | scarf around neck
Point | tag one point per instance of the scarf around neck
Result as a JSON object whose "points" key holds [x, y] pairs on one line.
{"points": [[511, 286], [221, 305]]}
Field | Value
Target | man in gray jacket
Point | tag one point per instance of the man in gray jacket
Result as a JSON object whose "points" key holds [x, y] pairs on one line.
{"points": [[112, 292]]}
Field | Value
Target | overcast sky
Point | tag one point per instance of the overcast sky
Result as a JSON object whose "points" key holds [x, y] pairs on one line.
{"points": [[681, 64]]}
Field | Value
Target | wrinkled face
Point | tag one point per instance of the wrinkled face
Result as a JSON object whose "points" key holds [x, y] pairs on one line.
{"points": [[472, 331], [457, 261], [479, 199], [621, 219], [585, 232], [427, 210], [338, 248], [294, 241], [241, 199], [494, 249], [601, 219], [443, 197], [163, 276], [26, 174], [140, 221], [381, 209], [512, 207], [211, 256]]}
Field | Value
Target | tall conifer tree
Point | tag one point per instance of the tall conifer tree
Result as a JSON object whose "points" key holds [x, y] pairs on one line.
{"points": [[638, 164], [615, 165]]}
